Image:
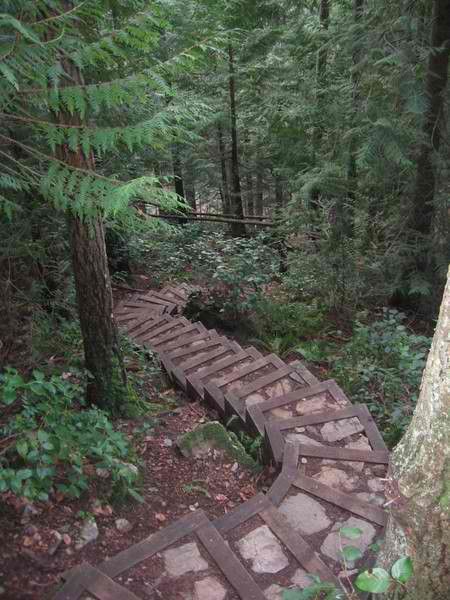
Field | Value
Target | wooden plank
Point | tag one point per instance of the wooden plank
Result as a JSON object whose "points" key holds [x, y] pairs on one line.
{"points": [[155, 543], [296, 395], [148, 318], [318, 418], [172, 324], [177, 344], [263, 382], [242, 513], [297, 545], [183, 330], [279, 489], [197, 361], [255, 420], [215, 398], [74, 586], [276, 442], [187, 333], [104, 588], [248, 370], [304, 373], [229, 564], [372, 432], [179, 377], [338, 498], [149, 325], [379, 457], [194, 382], [290, 460], [205, 345]]}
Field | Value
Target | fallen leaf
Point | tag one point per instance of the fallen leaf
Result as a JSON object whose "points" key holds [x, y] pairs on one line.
{"points": [[160, 517], [221, 498]]}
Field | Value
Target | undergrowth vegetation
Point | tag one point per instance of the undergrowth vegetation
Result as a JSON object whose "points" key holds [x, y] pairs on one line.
{"points": [[378, 360]]}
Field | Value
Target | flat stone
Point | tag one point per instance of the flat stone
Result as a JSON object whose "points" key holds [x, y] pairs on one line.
{"points": [[274, 592], [362, 443], [301, 579], [304, 514], [184, 559], [334, 541], [371, 498], [337, 479], [123, 525], [254, 399], [280, 388], [262, 548], [280, 413], [300, 438], [317, 404], [209, 589], [376, 485], [338, 430], [88, 534]]}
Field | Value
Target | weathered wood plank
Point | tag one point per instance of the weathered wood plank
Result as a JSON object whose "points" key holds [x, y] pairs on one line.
{"points": [[379, 457], [302, 551], [242, 513], [228, 563], [155, 543], [338, 498]]}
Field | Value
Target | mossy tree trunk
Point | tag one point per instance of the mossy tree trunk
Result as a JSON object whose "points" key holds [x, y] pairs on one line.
{"points": [[419, 478], [91, 274]]}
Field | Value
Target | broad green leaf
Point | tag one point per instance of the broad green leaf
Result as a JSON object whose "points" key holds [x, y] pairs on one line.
{"points": [[351, 553], [402, 569], [351, 533], [376, 581]]}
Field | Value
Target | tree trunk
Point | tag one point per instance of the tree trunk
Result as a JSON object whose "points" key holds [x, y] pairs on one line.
{"points": [[177, 171], [225, 191], [237, 229], [279, 196], [250, 198], [92, 280], [358, 9], [94, 299], [419, 477], [259, 208], [322, 58], [433, 126]]}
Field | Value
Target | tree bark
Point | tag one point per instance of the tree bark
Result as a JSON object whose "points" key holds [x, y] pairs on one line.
{"points": [[433, 126], [225, 191], [259, 206], [419, 478], [92, 279], [321, 68], [237, 229], [358, 9]]}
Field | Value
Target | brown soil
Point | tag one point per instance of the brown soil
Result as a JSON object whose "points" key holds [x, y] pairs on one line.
{"points": [[171, 486]]}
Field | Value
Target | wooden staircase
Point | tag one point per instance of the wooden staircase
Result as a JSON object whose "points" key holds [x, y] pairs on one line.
{"points": [[329, 454]]}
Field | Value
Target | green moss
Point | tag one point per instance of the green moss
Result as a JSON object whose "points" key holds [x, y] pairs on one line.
{"points": [[214, 435]]}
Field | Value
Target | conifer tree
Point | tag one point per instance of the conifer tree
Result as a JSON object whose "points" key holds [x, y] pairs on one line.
{"points": [[63, 66]]}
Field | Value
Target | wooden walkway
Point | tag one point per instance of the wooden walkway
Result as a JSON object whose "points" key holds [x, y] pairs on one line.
{"points": [[331, 462]]}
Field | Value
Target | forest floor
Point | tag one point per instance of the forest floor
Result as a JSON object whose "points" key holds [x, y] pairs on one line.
{"points": [[42, 540]]}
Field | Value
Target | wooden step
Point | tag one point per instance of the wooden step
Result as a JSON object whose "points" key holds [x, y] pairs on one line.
{"points": [[195, 383], [189, 343], [171, 325], [204, 539], [317, 398], [199, 363], [146, 325], [236, 400], [280, 430], [185, 333]]}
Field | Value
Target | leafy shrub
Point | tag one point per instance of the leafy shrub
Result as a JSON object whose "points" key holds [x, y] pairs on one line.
{"points": [[382, 366], [276, 318], [55, 444], [193, 252]]}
